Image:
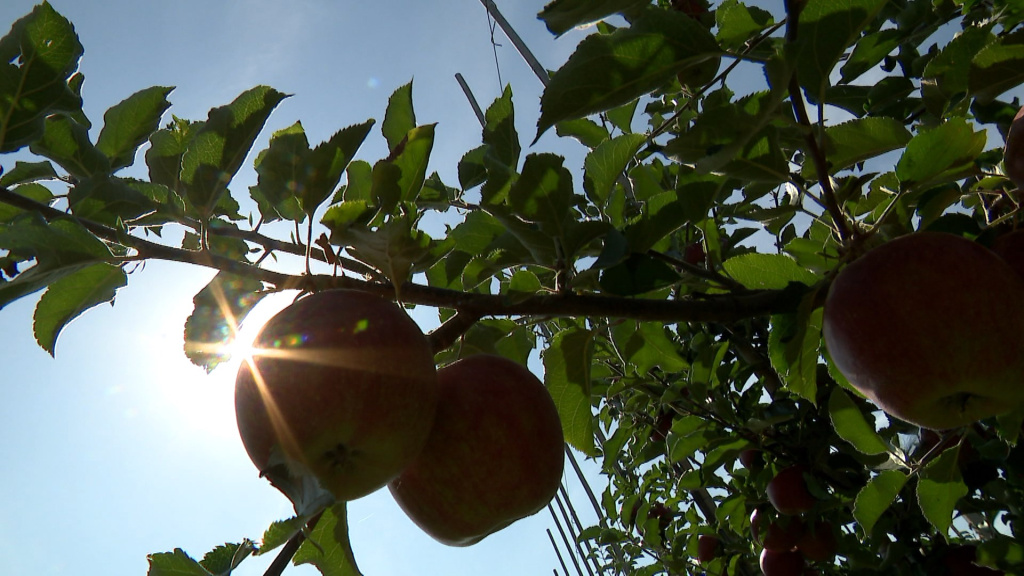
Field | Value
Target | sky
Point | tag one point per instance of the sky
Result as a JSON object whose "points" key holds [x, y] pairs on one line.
{"points": [[119, 447]]}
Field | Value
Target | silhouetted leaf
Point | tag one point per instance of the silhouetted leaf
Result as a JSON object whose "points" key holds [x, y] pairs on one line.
{"points": [[70, 296], [38, 63], [128, 124], [328, 546], [608, 70]]}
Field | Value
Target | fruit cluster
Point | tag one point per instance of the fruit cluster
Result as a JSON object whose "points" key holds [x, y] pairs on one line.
{"points": [[342, 389]]}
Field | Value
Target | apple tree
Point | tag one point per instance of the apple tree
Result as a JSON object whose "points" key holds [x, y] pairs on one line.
{"points": [[739, 157]]}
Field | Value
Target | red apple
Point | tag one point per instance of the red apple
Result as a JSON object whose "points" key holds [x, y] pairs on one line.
{"points": [[789, 563], [959, 561], [778, 535], [707, 548], [1010, 246], [494, 455], [819, 543], [1013, 153], [784, 534], [928, 326], [751, 459], [342, 385], [788, 492]]}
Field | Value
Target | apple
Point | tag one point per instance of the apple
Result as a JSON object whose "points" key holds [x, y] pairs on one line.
{"points": [[928, 326], [707, 548], [494, 455], [788, 492], [751, 459], [342, 385], [780, 536], [1010, 246], [788, 563], [662, 425], [1013, 155], [959, 561], [819, 543]]}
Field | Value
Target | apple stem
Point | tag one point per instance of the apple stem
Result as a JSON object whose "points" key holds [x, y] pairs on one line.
{"points": [[290, 547]]}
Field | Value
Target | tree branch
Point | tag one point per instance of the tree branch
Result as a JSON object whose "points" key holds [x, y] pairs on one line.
{"points": [[828, 194], [707, 308]]}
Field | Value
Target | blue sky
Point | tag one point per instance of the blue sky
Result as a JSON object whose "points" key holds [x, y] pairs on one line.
{"points": [[120, 447]]}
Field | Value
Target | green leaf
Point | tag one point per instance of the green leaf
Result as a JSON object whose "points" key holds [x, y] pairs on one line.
{"points": [[399, 118], [176, 563], [166, 148], [940, 153], [499, 133], [220, 146], [793, 345], [70, 296], [328, 161], [851, 425], [66, 142], [876, 497], [219, 309], [738, 23], [472, 170], [947, 75], [281, 170], [826, 29], [396, 248], [997, 67], [638, 274], [735, 138], [328, 547], [543, 194], [26, 172], [767, 271], [560, 16], [606, 163], [108, 200], [38, 63], [608, 70], [567, 371], [646, 346], [226, 557], [586, 131], [939, 488], [858, 140], [412, 160], [61, 247], [33, 191], [128, 124], [870, 51]]}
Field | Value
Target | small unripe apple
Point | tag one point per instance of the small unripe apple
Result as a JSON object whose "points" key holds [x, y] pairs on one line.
{"points": [[928, 326], [788, 492], [494, 455], [342, 385], [789, 563], [819, 543], [707, 548]]}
